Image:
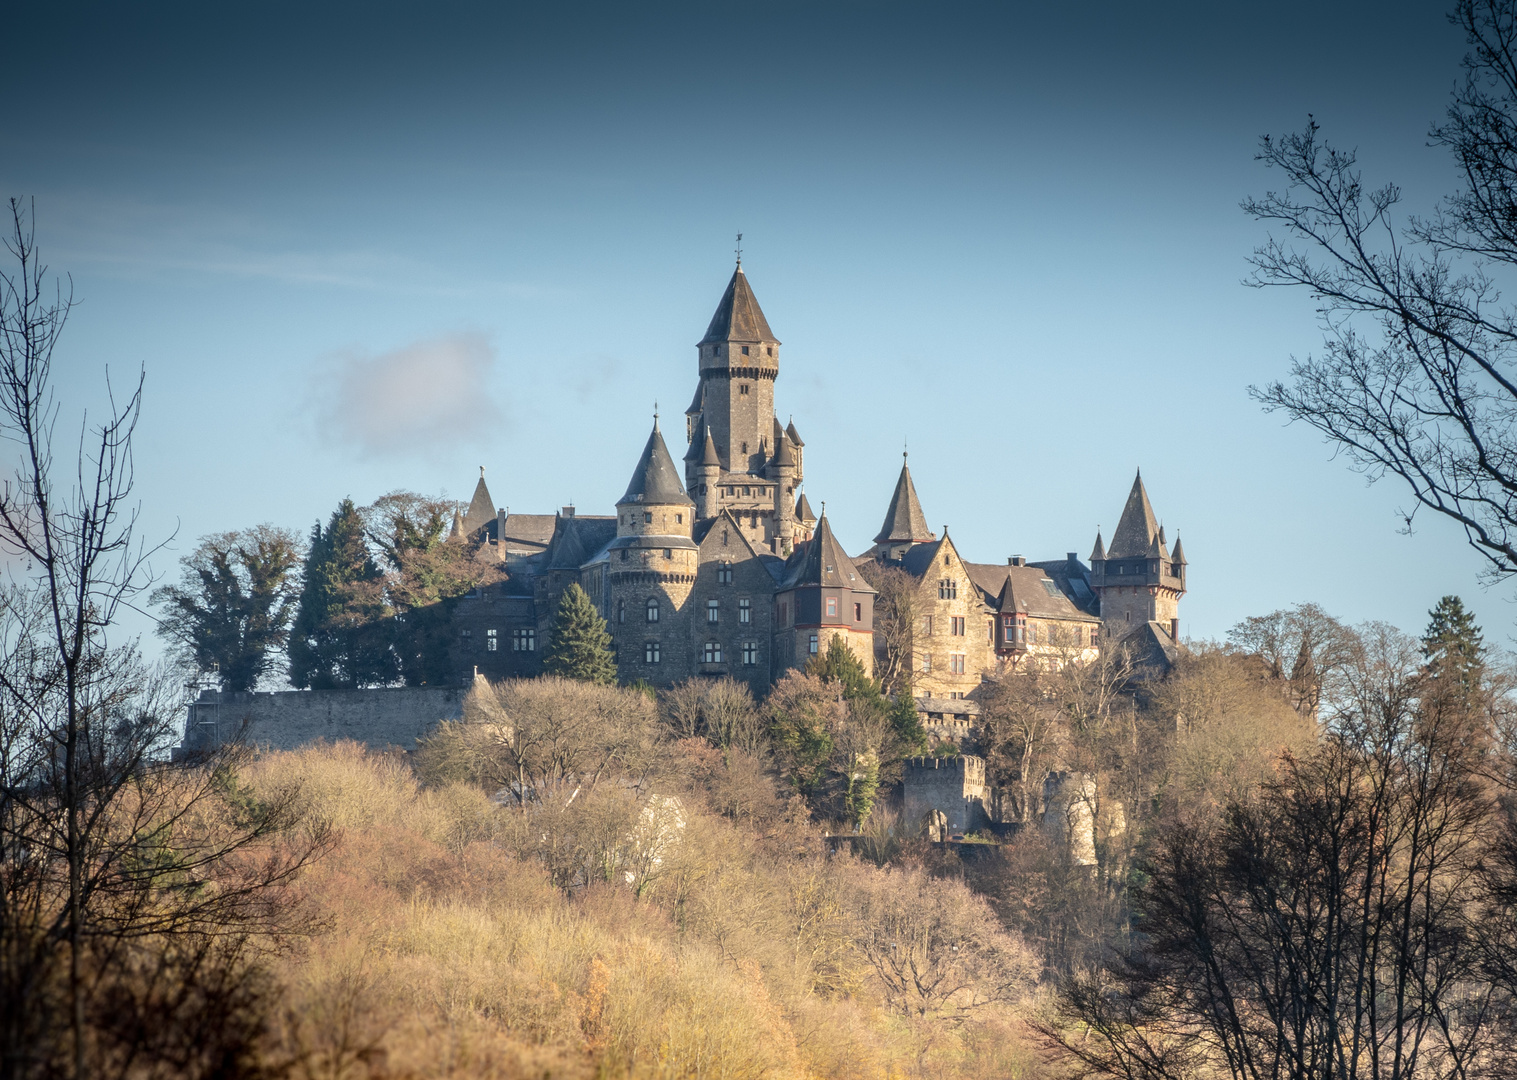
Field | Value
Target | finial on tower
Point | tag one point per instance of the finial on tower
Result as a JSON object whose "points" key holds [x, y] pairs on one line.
{"points": [[655, 413], [481, 472], [904, 448], [739, 250]]}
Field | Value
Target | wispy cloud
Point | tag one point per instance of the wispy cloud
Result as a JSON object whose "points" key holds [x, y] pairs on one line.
{"points": [[423, 398]]}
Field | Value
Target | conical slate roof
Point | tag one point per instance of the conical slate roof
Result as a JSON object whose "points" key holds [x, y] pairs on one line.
{"points": [[481, 508], [738, 317], [708, 451], [803, 511], [784, 457], [904, 520], [795, 436], [822, 561], [1098, 553], [655, 480], [1179, 554], [1138, 528]]}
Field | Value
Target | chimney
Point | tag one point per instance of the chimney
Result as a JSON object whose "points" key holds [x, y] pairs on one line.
{"points": [[568, 511], [1072, 557], [1174, 629], [1016, 560]]}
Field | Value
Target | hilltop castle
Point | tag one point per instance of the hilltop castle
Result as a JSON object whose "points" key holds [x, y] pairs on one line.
{"points": [[726, 571]]}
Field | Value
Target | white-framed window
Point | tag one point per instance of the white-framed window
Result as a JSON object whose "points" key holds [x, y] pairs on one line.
{"points": [[524, 640], [653, 609], [832, 607], [492, 640], [712, 652], [811, 645], [713, 611], [745, 610], [650, 652], [750, 653]]}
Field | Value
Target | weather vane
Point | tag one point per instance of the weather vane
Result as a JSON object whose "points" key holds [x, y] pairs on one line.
{"points": [[655, 413], [740, 249]]}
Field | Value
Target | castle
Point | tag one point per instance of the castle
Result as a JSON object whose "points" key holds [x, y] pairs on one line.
{"points": [[723, 569]]}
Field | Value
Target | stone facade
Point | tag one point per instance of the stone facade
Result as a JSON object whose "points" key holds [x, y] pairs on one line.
{"points": [[288, 719], [952, 786], [732, 528]]}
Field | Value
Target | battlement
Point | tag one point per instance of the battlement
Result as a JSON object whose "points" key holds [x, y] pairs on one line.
{"points": [[970, 767]]}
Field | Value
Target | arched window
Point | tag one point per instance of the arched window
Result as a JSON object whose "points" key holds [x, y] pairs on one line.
{"points": [[653, 610]]}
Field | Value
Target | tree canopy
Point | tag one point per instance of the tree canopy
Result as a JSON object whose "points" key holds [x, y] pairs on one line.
{"points": [[581, 645]]}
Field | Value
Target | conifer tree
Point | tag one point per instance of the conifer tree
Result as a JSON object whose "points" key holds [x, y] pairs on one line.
{"points": [[340, 636], [1454, 649], [581, 645]]}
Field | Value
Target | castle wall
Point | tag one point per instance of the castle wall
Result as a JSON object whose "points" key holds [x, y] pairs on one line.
{"points": [[287, 719], [955, 786]]}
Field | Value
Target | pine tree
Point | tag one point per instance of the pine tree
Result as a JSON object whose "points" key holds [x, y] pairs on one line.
{"points": [[1454, 649], [340, 636], [581, 645]]}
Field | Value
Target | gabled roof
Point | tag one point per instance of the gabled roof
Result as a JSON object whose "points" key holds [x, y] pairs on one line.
{"points": [[528, 532], [738, 317], [822, 561], [919, 559], [481, 508], [904, 520], [1028, 589], [576, 539], [1138, 528], [1073, 579], [655, 480]]}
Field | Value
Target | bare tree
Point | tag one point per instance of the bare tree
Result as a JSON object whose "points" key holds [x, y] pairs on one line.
{"points": [[1304, 648], [109, 862], [1418, 378], [895, 616]]}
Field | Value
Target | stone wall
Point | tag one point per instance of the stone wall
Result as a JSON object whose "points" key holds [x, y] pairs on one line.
{"points": [[954, 786], [287, 719]]}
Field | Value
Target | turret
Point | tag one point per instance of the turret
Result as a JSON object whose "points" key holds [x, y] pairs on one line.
{"points": [[708, 469], [782, 470], [1137, 579], [905, 524], [739, 361]]}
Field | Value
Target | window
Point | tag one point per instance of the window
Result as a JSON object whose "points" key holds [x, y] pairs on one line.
{"points": [[768, 350], [624, 554], [927, 625], [832, 607], [1079, 635], [653, 610], [745, 610], [750, 653], [956, 663], [858, 612], [668, 553], [724, 571], [956, 625], [1032, 634], [650, 653], [745, 450], [811, 645], [926, 662], [712, 653], [524, 640], [713, 611], [679, 519], [743, 388], [1174, 569], [647, 518], [784, 613], [492, 641], [1008, 629], [948, 589], [745, 350], [621, 609]]}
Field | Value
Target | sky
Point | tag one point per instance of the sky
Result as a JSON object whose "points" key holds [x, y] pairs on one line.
{"points": [[359, 248]]}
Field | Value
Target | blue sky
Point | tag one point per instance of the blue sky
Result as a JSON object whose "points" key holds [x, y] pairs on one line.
{"points": [[368, 247]]}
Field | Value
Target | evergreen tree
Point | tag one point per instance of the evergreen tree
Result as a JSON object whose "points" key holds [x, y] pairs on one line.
{"points": [[905, 722], [1454, 649], [581, 645], [340, 636], [839, 664]]}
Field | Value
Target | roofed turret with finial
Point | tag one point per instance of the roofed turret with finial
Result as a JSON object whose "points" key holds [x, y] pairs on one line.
{"points": [[1138, 580], [905, 524]]}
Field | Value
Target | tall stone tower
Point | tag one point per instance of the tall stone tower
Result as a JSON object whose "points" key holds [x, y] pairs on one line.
{"points": [[740, 459], [1138, 579], [651, 568]]}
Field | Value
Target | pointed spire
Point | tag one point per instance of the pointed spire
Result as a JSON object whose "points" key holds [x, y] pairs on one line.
{"points": [[655, 479], [1138, 528], [458, 524], [1179, 553], [708, 452], [481, 507], [1098, 553], [824, 562], [693, 451], [803, 512], [904, 520], [795, 436], [738, 317]]}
